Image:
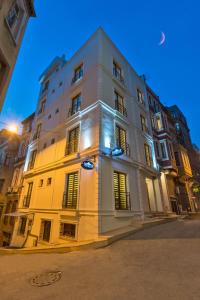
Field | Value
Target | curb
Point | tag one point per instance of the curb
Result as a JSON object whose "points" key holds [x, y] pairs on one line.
{"points": [[106, 241]]}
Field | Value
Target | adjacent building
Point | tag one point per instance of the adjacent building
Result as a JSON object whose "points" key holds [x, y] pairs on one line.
{"points": [[14, 16]]}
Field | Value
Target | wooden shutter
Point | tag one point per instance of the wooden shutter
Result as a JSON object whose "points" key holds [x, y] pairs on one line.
{"points": [[120, 190], [120, 135], [72, 190]]}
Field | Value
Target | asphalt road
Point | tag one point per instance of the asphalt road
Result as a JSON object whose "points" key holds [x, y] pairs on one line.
{"points": [[161, 262]]}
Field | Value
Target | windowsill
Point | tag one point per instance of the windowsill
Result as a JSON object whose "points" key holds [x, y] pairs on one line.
{"points": [[123, 213], [76, 114], [68, 238], [122, 84]]}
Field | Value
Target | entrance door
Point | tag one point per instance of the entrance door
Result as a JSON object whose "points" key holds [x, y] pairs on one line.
{"points": [[174, 206], [45, 230]]}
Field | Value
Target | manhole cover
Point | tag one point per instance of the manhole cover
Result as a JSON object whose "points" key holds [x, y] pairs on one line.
{"points": [[45, 278]]}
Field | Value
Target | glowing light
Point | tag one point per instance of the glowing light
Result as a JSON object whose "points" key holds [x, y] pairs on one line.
{"points": [[107, 142], [13, 128], [87, 164], [117, 151]]}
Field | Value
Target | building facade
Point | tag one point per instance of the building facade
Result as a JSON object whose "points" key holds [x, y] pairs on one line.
{"points": [[76, 186], [14, 16], [9, 144]]}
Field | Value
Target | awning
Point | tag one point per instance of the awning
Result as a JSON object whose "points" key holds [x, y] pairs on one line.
{"points": [[17, 214]]}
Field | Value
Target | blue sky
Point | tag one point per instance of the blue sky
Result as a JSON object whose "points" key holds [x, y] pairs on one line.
{"points": [[61, 27]]}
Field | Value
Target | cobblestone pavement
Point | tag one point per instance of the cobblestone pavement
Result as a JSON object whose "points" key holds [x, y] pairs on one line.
{"points": [[162, 262]]}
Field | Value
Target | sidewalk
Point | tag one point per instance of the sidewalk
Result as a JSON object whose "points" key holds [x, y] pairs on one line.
{"points": [[103, 241]]}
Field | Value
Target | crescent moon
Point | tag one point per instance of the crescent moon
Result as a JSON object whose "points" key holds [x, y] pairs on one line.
{"points": [[162, 39]]}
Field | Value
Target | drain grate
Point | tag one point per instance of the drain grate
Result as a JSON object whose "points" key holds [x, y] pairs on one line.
{"points": [[45, 279]]}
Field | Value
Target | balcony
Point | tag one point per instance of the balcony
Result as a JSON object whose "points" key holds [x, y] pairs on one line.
{"points": [[77, 76], [70, 200], [73, 110], [118, 75], [120, 108], [26, 201], [125, 146], [122, 201]]}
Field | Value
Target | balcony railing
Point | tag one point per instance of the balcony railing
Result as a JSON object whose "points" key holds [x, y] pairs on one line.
{"points": [[26, 201], [73, 110], [77, 76], [118, 75], [119, 107], [124, 146], [122, 201], [71, 147], [70, 200]]}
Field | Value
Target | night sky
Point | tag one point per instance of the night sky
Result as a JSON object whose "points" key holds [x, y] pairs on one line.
{"points": [[61, 27]]}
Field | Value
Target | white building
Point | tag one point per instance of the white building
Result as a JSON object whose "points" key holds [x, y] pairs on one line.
{"points": [[87, 106]]}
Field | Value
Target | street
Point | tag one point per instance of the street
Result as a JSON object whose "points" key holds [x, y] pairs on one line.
{"points": [[161, 262]]}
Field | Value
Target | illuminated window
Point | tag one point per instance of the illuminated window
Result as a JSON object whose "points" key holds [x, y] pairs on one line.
{"points": [[143, 123], [122, 201], [119, 104], [148, 155], [140, 96], [159, 122], [78, 74], [71, 193], [121, 140], [67, 230], [73, 140]]}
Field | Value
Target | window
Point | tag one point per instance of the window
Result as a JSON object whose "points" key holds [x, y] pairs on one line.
{"points": [[143, 123], [67, 230], [41, 182], [78, 73], [14, 19], [171, 150], [53, 91], [42, 106], [57, 111], [1, 185], [45, 230], [49, 180], [76, 104], [140, 96], [49, 117], [27, 198], [37, 133], [45, 87], [148, 155], [73, 139], [120, 135], [177, 159], [122, 201], [119, 104], [32, 159], [45, 145], [22, 225], [117, 72], [52, 141], [3, 70], [157, 149], [71, 193], [163, 150], [60, 83], [159, 121], [14, 208]]}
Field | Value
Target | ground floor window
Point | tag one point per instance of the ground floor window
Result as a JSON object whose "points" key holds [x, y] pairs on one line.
{"points": [[122, 201], [67, 230], [45, 230], [22, 225]]}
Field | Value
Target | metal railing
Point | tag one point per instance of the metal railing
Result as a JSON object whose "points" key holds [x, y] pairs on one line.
{"points": [[118, 75], [74, 109], [26, 201], [70, 200], [125, 147], [122, 201], [121, 108], [77, 76]]}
